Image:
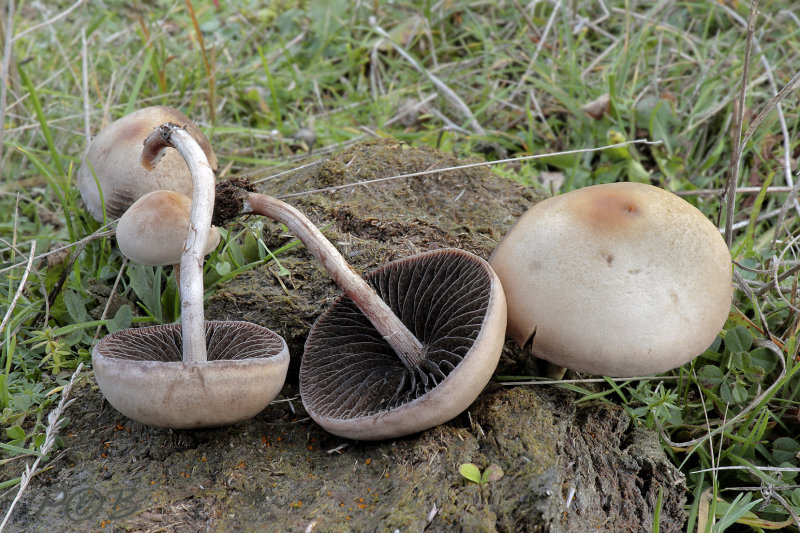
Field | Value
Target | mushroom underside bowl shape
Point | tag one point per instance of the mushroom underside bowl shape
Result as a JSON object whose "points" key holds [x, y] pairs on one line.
{"points": [[141, 374], [354, 385]]}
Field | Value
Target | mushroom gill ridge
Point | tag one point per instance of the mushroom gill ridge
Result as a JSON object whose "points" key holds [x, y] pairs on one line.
{"points": [[356, 373], [163, 343]]}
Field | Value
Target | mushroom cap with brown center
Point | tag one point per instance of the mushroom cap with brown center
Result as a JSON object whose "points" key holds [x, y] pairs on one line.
{"points": [[354, 385], [620, 279], [113, 157], [141, 374], [153, 230]]}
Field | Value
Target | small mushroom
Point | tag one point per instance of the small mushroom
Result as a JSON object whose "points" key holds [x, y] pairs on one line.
{"points": [[621, 279], [111, 163], [194, 374], [451, 298], [152, 231]]}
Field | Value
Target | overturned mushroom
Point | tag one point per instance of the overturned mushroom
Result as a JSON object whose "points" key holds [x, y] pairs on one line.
{"points": [[355, 386], [621, 279], [451, 298], [111, 163], [194, 374]]}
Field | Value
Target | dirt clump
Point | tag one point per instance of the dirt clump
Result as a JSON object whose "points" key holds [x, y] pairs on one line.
{"points": [[567, 466]]}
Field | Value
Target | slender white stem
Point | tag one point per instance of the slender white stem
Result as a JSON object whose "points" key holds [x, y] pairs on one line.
{"points": [[191, 281]]}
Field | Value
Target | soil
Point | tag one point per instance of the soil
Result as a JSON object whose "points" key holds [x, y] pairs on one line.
{"points": [[568, 466]]}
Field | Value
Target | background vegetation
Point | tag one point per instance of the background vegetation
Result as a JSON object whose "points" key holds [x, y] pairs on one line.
{"points": [[502, 79]]}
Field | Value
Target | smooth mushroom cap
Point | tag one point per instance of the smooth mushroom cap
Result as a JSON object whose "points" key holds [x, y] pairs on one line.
{"points": [[354, 385], [153, 230], [114, 154], [141, 374], [620, 279]]}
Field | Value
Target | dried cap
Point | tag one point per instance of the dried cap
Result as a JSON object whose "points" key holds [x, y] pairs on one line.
{"points": [[142, 376], [620, 279], [113, 157], [153, 230], [355, 386]]}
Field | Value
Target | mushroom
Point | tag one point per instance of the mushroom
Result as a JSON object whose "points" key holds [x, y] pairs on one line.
{"points": [[355, 386], [365, 374], [620, 279], [194, 374], [111, 163], [152, 231]]}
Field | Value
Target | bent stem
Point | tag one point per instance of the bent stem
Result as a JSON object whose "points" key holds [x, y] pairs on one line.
{"points": [[191, 267], [402, 341]]}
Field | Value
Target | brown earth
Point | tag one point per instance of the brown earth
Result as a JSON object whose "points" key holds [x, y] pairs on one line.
{"points": [[281, 472]]}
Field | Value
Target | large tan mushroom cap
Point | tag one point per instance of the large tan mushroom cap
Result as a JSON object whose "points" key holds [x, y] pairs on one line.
{"points": [[621, 279], [153, 230], [114, 157]]}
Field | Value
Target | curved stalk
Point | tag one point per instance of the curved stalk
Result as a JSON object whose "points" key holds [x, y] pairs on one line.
{"points": [[404, 343], [191, 267]]}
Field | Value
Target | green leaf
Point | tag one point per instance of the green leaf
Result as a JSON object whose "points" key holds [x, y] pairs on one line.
{"points": [[143, 281], [711, 375], [75, 307], [738, 339], [22, 402], [171, 300], [636, 172], [493, 472], [15, 433], [726, 393], [785, 450], [765, 359], [122, 319], [222, 268], [140, 283], [471, 472]]}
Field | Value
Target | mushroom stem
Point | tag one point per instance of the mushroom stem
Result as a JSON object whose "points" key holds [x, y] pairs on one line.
{"points": [[191, 266], [403, 342]]}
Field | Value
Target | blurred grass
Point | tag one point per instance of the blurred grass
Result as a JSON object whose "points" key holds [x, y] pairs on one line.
{"points": [[252, 75]]}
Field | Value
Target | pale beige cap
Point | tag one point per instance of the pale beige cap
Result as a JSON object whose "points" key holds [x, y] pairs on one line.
{"points": [[153, 230], [620, 279], [114, 155]]}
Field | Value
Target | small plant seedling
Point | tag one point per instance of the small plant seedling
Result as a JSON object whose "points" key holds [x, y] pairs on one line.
{"points": [[492, 473]]}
